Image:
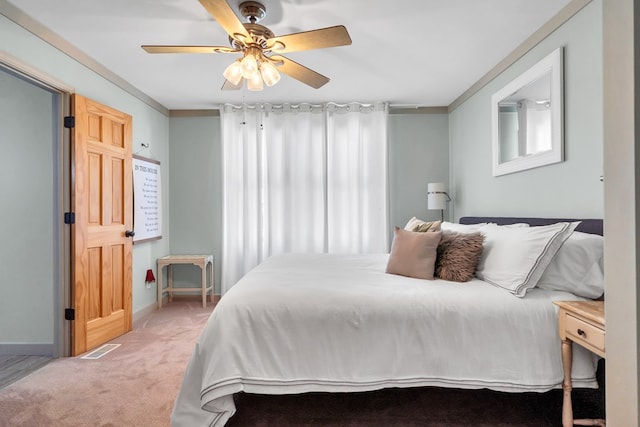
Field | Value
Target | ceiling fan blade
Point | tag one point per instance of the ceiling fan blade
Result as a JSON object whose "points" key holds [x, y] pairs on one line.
{"points": [[300, 72], [227, 85], [187, 49], [225, 16], [314, 39]]}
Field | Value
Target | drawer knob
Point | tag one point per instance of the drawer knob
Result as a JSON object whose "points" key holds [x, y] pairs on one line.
{"points": [[582, 333]]}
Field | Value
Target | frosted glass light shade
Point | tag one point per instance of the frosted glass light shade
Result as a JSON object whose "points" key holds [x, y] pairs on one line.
{"points": [[436, 196], [270, 74], [233, 73], [255, 82], [249, 67]]}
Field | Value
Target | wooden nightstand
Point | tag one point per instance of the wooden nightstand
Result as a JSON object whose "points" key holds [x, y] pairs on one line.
{"points": [[580, 322], [201, 261]]}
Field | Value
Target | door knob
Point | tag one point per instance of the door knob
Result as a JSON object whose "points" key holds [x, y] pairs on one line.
{"points": [[129, 233]]}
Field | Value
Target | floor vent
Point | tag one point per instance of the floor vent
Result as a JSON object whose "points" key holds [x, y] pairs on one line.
{"points": [[99, 352]]}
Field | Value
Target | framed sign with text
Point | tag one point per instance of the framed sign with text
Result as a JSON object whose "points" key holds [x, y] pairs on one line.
{"points": [[147, 199]]}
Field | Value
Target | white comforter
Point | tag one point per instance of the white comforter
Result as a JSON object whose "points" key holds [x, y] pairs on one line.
{"points": [[300, 323]]}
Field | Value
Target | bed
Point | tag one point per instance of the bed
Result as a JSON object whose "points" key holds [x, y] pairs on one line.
{"points": [[339, 323]]}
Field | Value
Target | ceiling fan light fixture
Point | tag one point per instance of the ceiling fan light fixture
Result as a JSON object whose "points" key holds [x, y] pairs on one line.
{"points": [[233, 73], [269, 73], [252, 40], [255, 83]]}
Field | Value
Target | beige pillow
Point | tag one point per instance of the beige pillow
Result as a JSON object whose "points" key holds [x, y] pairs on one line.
{"points": [[416, 224], [458, 255], [413, 254]]}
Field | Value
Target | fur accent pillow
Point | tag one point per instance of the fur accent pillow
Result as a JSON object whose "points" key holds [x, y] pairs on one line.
{"points": [[413, 254], [458, 255]]}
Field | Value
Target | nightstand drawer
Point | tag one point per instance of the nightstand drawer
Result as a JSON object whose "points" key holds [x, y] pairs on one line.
{"points": [[583, 332]]}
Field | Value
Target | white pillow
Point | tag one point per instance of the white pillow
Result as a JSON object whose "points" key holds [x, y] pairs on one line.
{"points": [[472, 228], [578, 267], [516, 225], [514, 258], [461, 228]]}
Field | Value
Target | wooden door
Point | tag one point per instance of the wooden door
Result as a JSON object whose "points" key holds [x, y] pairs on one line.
{"points": [[102, 202]]}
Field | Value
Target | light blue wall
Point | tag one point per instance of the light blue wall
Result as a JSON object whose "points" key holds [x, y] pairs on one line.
{"points": [[28, 231], [150, 126], [196, 194], [571, 188], [418, 154]]}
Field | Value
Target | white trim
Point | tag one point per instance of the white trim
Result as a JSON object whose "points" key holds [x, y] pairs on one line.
{"points": [[33, 74]]}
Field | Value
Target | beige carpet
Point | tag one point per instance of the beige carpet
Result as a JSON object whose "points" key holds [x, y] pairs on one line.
{"points": [[134, 385]]}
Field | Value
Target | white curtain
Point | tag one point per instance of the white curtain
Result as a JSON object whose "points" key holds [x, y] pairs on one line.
{"points": [[302, 178]]}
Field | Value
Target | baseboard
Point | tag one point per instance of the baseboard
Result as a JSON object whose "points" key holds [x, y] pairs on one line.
{"points": [[26, 349], [144, 312]]}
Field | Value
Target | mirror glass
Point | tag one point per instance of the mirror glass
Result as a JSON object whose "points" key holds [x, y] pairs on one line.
{"points": [[527, 118]]}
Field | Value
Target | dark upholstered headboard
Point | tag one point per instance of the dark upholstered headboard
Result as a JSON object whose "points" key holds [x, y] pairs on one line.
{"points": [[591, 226]]}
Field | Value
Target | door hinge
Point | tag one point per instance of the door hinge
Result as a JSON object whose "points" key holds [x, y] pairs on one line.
{"points": [[69, 218], [69, 122], [69, 314]]}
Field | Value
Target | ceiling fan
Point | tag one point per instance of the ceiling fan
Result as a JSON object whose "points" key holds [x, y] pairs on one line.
{"points": [[261, 50]]}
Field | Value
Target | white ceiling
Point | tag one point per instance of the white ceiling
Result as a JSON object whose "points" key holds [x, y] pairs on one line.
{"points": [[406, 52]]}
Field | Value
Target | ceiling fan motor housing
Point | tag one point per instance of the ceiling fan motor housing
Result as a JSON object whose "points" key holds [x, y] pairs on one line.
{"points": [[259, 33], [253, 11]]}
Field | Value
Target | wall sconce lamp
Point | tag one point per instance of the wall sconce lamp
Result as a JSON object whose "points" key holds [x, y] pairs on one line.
{"points": [[437, 197]]}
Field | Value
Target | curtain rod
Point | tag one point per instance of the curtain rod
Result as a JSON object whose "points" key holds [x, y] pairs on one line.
{"points": [[393, 109]]}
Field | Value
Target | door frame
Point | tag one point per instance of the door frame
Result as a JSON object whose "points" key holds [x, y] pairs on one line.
{"points": [[62, 195]]}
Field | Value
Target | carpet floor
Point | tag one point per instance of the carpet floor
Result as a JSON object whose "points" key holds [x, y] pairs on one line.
{"points": [[133, 385], [136, 385]]}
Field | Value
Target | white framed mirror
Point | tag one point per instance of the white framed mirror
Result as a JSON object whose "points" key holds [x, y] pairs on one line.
{"points": [[527, 118]]}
